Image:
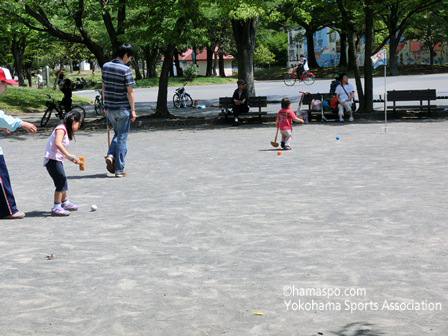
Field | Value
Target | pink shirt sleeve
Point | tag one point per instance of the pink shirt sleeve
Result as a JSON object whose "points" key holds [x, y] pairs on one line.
{"points": [[292, 114]]}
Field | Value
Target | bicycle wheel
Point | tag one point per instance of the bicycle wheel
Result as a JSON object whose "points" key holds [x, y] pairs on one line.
{"points": [[188, 100], [177, 101], [98, 106], [46, 116], [289, 79], [79, 109], [308, 78]]}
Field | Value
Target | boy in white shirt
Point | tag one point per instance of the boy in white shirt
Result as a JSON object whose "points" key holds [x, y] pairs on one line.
{"points": [[345, 93]]}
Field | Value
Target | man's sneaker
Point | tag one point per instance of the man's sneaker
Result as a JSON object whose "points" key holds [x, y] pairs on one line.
{"points": [[287, 148], [17, 215], [282, 144], [123, 174], [351, 119], [59, 212], [110, 164], [341, 119], [70, 207]]}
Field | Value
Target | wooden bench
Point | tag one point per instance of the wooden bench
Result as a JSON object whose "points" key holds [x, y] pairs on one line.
{"points": [[226, 104], [409, 96]]}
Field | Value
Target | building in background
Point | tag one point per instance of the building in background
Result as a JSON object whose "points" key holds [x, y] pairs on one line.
{"points": [[327, 48], [201, 60]]}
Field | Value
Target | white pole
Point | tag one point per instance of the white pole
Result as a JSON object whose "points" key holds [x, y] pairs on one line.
{"points": [[385, 95]]}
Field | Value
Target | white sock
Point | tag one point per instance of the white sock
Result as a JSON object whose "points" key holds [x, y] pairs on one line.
{"points": [[57, 205]]}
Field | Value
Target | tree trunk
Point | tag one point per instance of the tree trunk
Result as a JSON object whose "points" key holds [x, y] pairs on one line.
{"points": [[349, 28], [393, 59], [208, 72], [215, 63], [352, 57], [368, 71], [343, 58], [179, 70], [29, 77], [143, 68], [222, 70], [162, 96], [135, 65], [431, 55], [151, 56], [245, 33], [18, 50], [312, 62], [193, 55]]}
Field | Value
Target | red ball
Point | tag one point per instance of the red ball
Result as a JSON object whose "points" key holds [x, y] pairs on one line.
{"points": [[279, 152]]}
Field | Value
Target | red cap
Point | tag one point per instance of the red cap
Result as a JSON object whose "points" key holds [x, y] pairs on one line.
{"points": [[5, 76]]}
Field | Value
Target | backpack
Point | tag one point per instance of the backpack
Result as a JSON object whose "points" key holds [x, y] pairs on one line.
{"points": [[334, 84], [333, 102]]}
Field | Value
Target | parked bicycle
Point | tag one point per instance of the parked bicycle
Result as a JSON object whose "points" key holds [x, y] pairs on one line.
{"points": [[181, 98], [99, 103], [60, 112], [291, 77]]}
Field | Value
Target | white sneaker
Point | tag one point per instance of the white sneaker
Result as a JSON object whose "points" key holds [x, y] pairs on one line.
{"points": [[351, 119], [341, 119]]}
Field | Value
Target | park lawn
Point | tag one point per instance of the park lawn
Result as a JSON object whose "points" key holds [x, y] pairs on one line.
{"points": [[18, 100], [154, 82]]}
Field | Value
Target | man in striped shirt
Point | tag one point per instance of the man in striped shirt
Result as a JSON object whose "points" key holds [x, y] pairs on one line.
{"points": [[118, 95]]}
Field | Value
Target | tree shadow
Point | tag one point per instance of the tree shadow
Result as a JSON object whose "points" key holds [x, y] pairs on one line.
{"points": [[37, 213], [93, 176], [358, 329]]}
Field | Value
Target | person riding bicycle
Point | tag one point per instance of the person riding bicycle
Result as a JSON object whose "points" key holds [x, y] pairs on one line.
{"points": [[302, 66], [66, 89]]}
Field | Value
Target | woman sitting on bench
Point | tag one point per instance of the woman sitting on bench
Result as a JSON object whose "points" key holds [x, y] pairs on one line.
{"points": [[239, 100]]}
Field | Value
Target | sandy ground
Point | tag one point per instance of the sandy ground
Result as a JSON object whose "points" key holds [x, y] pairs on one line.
{"points": [[212, 226]]}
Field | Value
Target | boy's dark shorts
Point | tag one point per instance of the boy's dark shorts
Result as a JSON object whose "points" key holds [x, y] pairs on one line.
{"points": [[57, 173]]}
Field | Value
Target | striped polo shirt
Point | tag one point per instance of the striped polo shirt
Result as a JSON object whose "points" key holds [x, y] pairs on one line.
{"points": [[116, 78]]}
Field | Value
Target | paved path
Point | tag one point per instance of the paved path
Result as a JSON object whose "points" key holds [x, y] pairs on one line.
{"points": [[211, 226], [275, 90]]}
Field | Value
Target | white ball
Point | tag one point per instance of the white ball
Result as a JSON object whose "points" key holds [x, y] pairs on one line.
{"points": [[93, 207]]}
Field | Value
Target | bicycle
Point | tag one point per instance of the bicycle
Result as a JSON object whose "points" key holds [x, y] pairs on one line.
{"points": [[291, 77], [99, 103], [60, 111], [182, 98]]}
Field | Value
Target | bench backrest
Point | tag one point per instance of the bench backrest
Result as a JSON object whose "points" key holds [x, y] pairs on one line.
{"points": [[260, 101], [411, 95], [308, 98], [225, 101]]}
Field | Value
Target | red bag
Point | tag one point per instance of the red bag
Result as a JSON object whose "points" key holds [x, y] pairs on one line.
{"points": [[333, 102]]}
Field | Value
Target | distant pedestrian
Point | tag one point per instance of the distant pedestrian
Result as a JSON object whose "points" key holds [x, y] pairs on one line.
{"points": [[285, 117], [240, 100], [67, 90], [8, 208], [119, 107]]}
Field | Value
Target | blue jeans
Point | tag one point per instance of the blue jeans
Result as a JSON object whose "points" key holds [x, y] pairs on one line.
{"points": [[121, 123], [7, 201]]}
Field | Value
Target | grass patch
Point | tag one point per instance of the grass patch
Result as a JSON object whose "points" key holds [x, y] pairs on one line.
{"points": [[175, 81], [28, 100]]}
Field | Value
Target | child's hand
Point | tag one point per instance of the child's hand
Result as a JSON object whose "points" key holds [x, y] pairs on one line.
{"points": [[73, 159], [7, 131]]}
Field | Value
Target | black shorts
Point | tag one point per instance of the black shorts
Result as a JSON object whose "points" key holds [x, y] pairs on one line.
{"points": [[57, 173]]}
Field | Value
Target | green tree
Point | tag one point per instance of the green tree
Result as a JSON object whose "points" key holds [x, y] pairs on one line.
{"points": [[75, 21], [263, 56], [429, 27]]}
